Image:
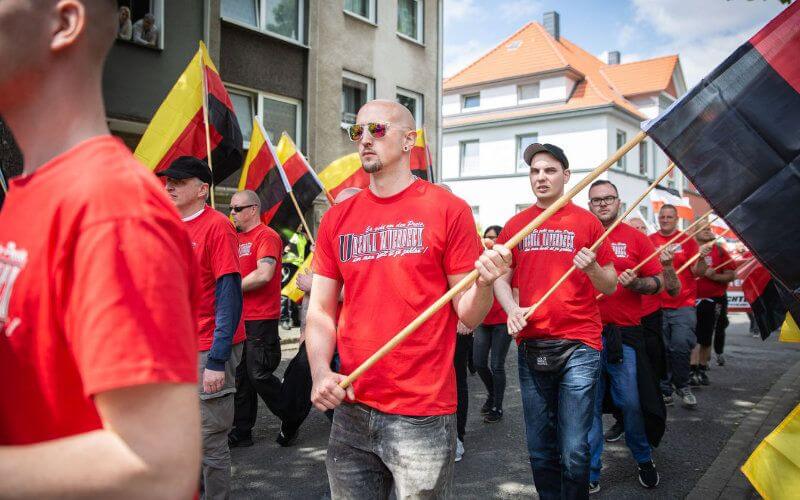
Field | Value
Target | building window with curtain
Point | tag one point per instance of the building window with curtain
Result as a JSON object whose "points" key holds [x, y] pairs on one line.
{"points": [[468, 160], [284, 18], [361, 8], [356, 91], [409, 19], [622, 138], [413, 102], [523, 141]]}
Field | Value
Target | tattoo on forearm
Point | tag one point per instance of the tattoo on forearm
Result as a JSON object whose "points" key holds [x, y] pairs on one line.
{"points": [[644, 286], [671, 282]]}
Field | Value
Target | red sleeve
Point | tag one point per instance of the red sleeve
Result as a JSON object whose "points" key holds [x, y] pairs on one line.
{"points": [[645, 249], [224, 246], [463, 245], [129, 317], [324, 261], [269, 246]]}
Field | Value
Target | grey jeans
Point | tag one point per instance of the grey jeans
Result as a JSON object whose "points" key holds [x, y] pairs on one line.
{"points": [[216, 415], [679, 338], [370, 452]]}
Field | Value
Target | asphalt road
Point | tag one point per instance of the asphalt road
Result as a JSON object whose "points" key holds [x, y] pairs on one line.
{"points": [[496, 463]]}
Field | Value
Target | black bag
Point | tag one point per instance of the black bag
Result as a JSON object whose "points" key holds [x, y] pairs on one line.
{"points": [[548, 355], [613, 344]]}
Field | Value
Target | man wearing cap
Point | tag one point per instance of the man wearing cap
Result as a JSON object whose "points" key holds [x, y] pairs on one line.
{"points": [[260, 250], [220, 325], [559, 345]]}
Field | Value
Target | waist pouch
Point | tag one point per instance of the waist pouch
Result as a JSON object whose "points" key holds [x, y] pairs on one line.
{"points": [[548, 355]]}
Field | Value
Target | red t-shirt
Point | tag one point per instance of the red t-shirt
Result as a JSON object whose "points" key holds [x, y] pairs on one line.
{"points": [[216, 248], [683, 252], [630, 247], [542, 258], [394, 255], [496, 315], [96, 290], [254, 245], [707, 289]]}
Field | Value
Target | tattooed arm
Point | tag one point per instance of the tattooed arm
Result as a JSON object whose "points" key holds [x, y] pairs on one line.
{"points": [[671, 282], [646, 285]]}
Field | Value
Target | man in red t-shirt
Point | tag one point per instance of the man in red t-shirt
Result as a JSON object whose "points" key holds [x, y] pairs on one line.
{"points": [[623, 340], [221, 329], [678, 314], [559, 346], [260, 250], [97, 330], [712, 306], [396, 247]]}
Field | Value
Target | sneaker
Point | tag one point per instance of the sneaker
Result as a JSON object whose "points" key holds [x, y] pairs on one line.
{"points": [[594, 487], [668, 400], [648, 475], [459, 450], [689, 401], [287, 437], [615, 432], [756, 335], [694, 378], [236, 441], [487, 406], [494, 416], [721, 359], [286, 324], [703, 378]]}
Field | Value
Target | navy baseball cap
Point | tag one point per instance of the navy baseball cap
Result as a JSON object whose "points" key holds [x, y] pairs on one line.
{"points": [[187, 167], [556, 151]]}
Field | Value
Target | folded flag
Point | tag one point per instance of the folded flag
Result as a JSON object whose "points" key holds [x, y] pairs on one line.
{"points": [[662, 196], [178, 128], [263, 174], [735, 136], [302, 181]]}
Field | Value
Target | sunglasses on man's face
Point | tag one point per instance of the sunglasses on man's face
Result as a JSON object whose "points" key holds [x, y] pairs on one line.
{"points": [[239, 209], [375, 129]]}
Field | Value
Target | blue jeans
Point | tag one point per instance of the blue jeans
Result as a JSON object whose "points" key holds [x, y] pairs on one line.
{"points": [[679, 339], [625, 393], [371, 452], [492, 339], [558, 409]]}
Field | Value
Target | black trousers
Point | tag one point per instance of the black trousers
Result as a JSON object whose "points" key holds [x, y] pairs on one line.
{"points": [[254, 375], [463, 344], [296, 390], [722, 324]]}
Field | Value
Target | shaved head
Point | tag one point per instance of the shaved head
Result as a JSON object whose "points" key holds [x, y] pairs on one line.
{"points": [[346, 194], [395, 113], [247, 197], [391, 149]]}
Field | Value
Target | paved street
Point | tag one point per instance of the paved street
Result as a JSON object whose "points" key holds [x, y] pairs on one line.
{"points": [[496, 463]]}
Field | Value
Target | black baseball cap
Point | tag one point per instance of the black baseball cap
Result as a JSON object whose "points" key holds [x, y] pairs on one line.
{"points": [[556, 151], [187, 167]]}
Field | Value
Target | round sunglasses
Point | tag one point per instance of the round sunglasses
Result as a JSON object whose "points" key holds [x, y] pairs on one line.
{"points": [[375, 129]]}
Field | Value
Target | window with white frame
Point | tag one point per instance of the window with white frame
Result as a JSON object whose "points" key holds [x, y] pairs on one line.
{"points": [[278, 114], [361, 8], [410, 18], [471, 101], [280, 17], [468, 159], [356, 91], [622, 138], [413, 102], [643, 163], [523, 141], [141, 22], [528, 92]]}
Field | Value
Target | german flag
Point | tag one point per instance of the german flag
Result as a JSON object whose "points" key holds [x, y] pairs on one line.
{"points": [[178, 127], [301, 180], [761, 292], [262, 173], [346, 171], [291, 290], [735, 136]]}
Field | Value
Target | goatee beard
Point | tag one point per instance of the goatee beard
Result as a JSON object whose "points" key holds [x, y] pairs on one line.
{"points": [[372, 168]]}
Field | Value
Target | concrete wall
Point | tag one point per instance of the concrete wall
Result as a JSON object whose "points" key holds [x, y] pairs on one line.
{"points": [[136, 79], [342, 42]]}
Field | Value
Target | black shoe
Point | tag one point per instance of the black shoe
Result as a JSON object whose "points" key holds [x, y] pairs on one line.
{"points": [[287, 436], [493, 416], [694, 379], [236, 441], [648, 475], [703, 378], [615, 432], [594, 487], [487, 407]]}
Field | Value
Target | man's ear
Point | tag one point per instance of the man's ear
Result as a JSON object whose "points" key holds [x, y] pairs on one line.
{"points": [[567, 173], [69, 24]]}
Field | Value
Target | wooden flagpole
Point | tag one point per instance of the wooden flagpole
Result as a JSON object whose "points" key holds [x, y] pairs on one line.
{"points": [[205, 121], [672, 240], [600, 240], [467, 280], [302, 218]]}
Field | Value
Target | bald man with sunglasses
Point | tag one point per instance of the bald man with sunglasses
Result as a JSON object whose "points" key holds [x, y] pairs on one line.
{"points": [[396, 248]]}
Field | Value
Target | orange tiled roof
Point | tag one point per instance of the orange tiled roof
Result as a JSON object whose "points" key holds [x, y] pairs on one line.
{"points": [[533, 50]]}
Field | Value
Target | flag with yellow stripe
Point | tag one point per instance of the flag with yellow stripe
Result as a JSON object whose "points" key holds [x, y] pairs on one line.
{"points": [[178, 128], [290, 289], [774, 466]]}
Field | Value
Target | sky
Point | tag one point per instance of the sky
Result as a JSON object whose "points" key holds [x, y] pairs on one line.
{"points": [[701, 32]]}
